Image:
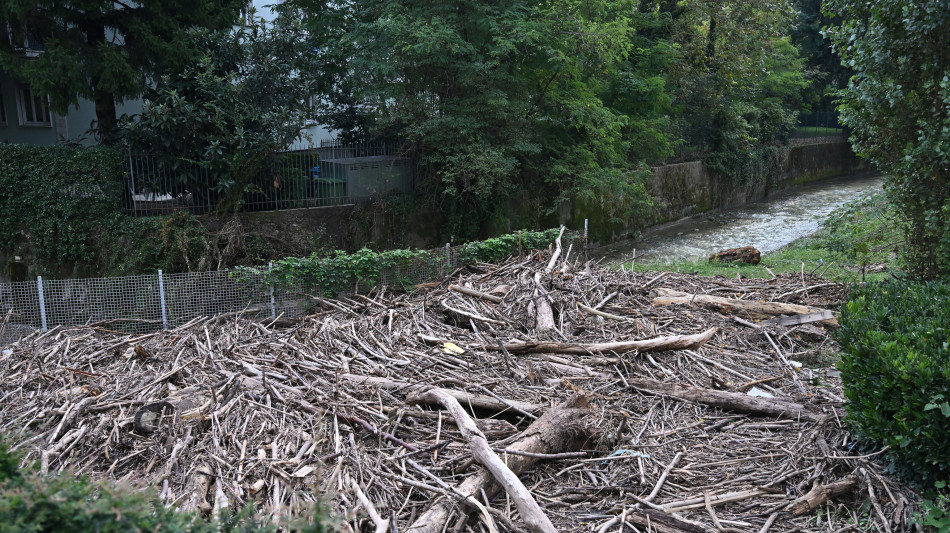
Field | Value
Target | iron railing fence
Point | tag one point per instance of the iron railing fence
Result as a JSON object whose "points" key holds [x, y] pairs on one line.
{"points": [[151, 302], [334, 174]]}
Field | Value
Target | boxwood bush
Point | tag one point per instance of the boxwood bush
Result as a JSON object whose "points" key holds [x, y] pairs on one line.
{"points": [[896, 370]]}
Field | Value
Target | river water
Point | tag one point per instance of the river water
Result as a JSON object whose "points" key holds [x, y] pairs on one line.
{"points": [[768, 225]]}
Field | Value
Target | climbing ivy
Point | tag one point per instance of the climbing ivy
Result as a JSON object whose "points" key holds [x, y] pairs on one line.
{"points": [[61, 197], [341, 271]]}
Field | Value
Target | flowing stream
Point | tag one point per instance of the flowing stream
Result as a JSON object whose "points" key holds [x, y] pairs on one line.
{"points": [[768, 225]]}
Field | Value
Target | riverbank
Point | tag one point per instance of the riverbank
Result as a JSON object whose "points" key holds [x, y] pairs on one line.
{"points": [[854, 243]]}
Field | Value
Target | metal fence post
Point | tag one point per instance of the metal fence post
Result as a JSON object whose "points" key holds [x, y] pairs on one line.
{"points": [[39, 288], [161, 297], [448, 257], [273, 305]]}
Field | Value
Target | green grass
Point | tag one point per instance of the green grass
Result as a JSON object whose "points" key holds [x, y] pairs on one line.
{"points": [[852, 245]]}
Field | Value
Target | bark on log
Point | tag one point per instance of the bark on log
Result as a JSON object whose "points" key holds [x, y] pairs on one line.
{"points": [[190, 403], [730, 306], [529, 509], [675, 342], [820, 494], [745, 254], [475, 400], [732, 401], [196, 498], [477, 294], [560, 429]]}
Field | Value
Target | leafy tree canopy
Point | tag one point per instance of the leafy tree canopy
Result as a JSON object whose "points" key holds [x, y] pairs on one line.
{"points": [[103, 50], [897, 105]]}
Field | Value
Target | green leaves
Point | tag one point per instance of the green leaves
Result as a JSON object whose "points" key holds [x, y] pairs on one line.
{"points": [[896, 370], [898, 108]]}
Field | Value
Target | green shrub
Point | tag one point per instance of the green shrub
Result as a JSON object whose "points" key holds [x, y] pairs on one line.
{"points": [[339, 271], [32, 502], [896, 370]]}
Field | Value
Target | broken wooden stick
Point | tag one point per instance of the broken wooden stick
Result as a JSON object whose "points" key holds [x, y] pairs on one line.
{"points": [[731, 401], [562, 428], [730, 306], [675, 342], [477, 294], [474, 400], [529, 509], [820, 494]]}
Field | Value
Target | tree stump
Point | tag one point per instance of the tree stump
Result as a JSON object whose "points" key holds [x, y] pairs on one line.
{"points": [[745, 254]]}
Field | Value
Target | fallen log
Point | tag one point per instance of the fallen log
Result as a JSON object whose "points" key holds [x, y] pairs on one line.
{"points": [[529, 509], [820, 494], [475, 400], [731, 401], [477, 294], [745, 254], [675, 342], [730, 306], [560, 429]]}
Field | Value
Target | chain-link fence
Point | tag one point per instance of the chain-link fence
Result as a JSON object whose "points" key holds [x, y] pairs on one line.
{"points": [[141, 304]]}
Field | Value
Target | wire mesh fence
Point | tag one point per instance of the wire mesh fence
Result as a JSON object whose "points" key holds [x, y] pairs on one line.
{"points": [[151, 302], [333, 174]]}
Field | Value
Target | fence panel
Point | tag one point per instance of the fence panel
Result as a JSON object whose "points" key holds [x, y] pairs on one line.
{"points": [[150, 302]]}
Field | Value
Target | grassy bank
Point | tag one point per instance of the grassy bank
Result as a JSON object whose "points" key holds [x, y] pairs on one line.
{"points": [[855, 243]]}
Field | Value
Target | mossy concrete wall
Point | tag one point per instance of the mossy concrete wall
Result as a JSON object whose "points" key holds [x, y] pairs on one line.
{"points": [[685, 189]]}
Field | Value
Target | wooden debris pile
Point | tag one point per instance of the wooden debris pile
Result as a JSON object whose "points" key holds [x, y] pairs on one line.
{"points": [[541, 394]]}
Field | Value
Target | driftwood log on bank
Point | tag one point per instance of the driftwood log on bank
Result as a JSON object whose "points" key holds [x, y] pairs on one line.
{"points": [[731, 401], [675, 342], [560, 429], [731, 306]]}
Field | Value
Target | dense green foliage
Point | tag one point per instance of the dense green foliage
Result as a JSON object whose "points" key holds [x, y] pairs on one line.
{"points": [[572, 98], [32, 502], [62, 196], [896, 370], [339, 271], [244, 96], [897, 105], [101, 50]]}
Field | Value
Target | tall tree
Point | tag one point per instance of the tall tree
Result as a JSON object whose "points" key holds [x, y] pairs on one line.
{"points": [[107, 51], [897, 105], [489, 94], [244, 96]]}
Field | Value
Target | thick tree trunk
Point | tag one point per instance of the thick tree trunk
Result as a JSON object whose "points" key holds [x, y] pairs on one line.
{"points": [[106, 121]]}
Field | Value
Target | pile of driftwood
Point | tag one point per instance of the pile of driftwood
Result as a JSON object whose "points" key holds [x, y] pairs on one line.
{"points": [[541, 394]]}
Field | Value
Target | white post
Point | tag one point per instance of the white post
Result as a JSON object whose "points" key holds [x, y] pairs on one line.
{"points": [[585, 230], [448, 257], [39, 288], [161, 297], [273, 305]]}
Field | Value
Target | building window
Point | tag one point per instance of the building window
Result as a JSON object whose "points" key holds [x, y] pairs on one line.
{"points": [[32, 109]]}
